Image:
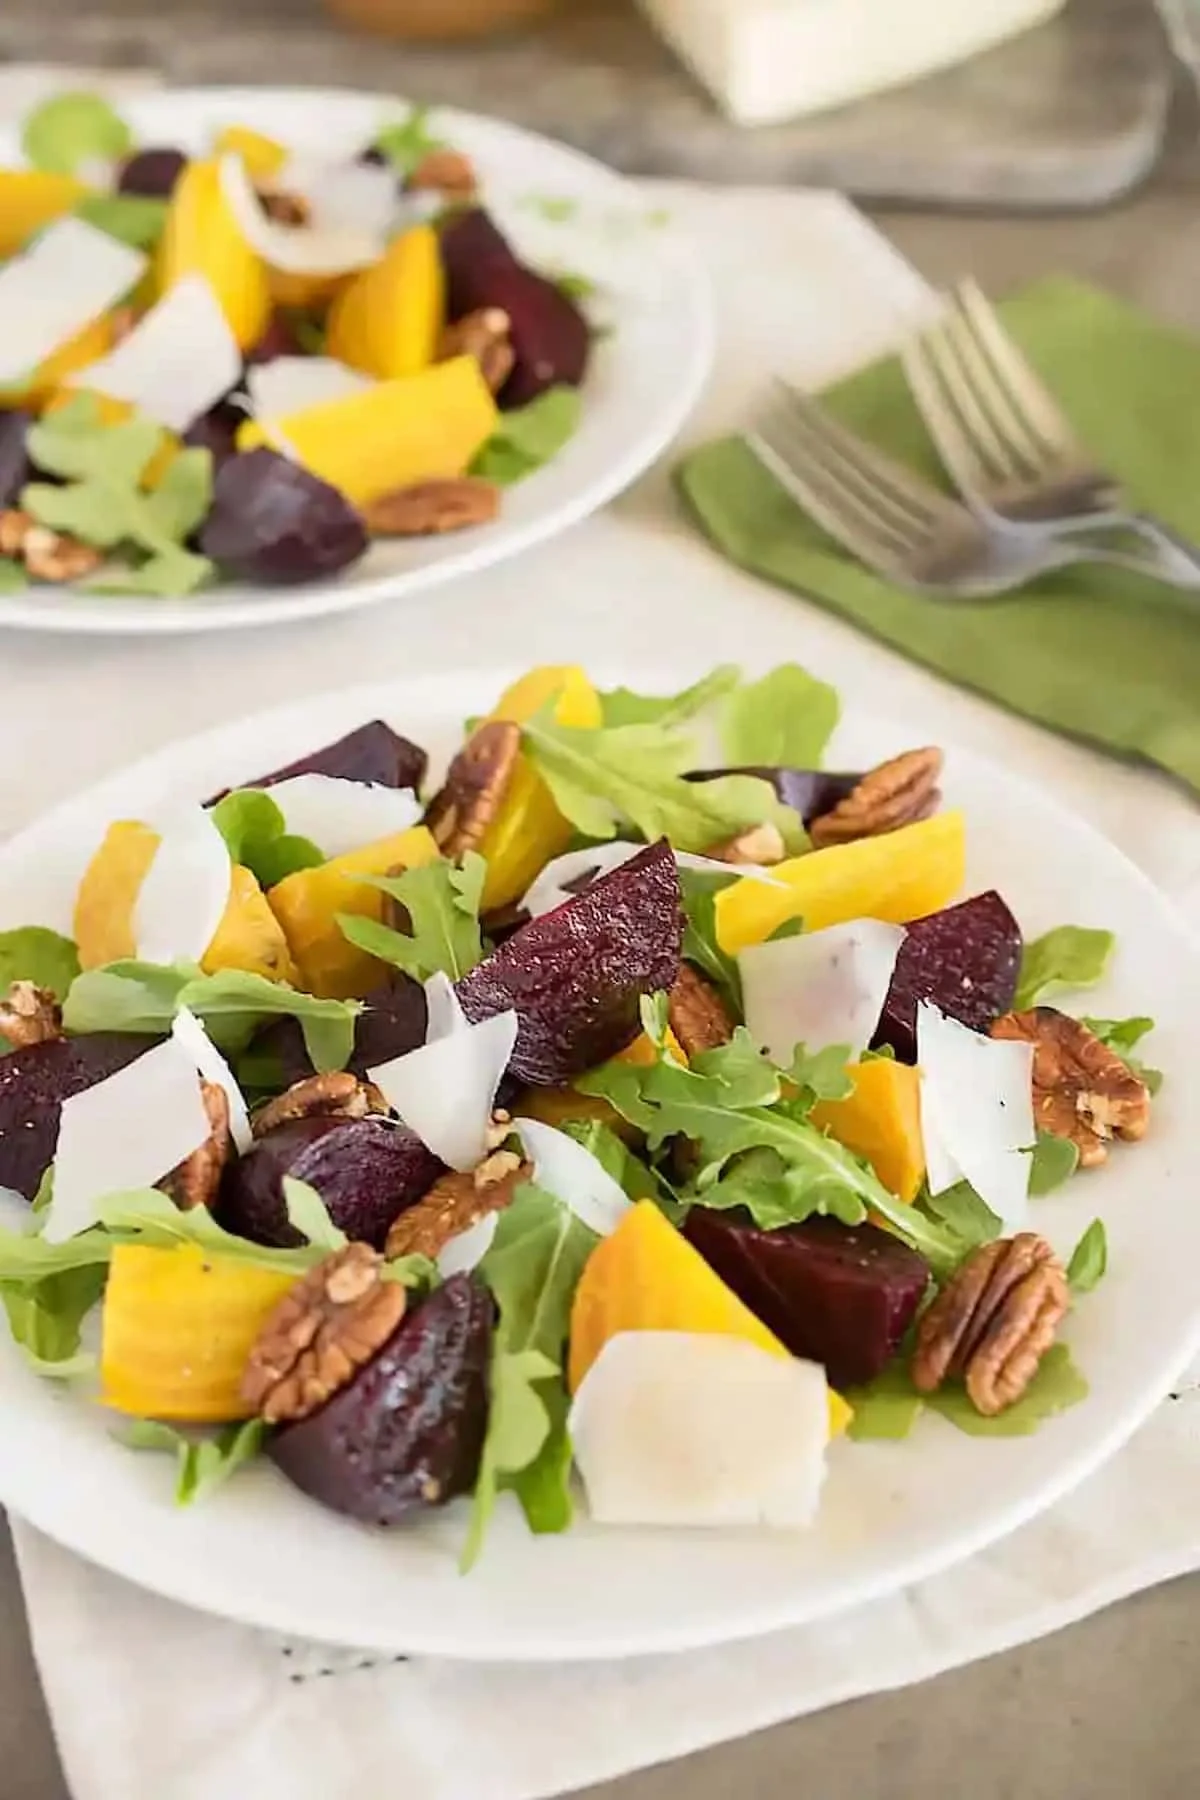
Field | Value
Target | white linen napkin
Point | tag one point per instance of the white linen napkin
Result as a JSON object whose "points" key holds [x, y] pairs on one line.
{"points": [[153, 1702]]}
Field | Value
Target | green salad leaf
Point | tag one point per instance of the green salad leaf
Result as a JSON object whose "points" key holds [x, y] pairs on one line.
{"points": [[1053, 1162], [257, 837], [529, 437], [166, 577], [308, 1214], [408, 141], [233, 1004], [962, 1211], [533, 1269], [14, 577], [668, 711], [134, 219], [442, 901], [202, 1463], [822, 1076], [635, 773], [701, 942], [1089, 1259], [1123, 1036], [1070, 956], [68, 130], [639, 1181], [45, 1317], [783, 721], [32, 953], [886, 1409], [890, 1406]]}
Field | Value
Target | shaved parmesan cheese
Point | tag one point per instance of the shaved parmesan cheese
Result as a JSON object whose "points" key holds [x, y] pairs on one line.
{"points": [[818, 989], [124, 1133], [681, 1428], [976, 1112], [446, 1090], [573, 1175], [347, 195], [211, 1066], [176, 363], [69, 275], [294, 249], [343, 815], [290, 384], [183, 898], [552, 887], [466, 1251]]}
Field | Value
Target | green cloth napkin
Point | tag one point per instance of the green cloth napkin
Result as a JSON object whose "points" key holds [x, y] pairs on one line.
{"points": [[1098, 653]]}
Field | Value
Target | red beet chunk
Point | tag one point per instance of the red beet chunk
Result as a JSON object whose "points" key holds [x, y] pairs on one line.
{"points": [[35, 1081], [367, 1171], [550, 336], [575, 976], [271, 521], [810, 792], [839, 1295], [408, 1431], [15, 466], [371, 753], [151, 173], [965, 959]]}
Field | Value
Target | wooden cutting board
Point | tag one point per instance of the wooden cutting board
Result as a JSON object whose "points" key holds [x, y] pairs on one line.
{"points": [[1070, 115]]}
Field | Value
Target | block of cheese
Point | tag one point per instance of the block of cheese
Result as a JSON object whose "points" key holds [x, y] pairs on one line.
{"points": [[770, 60]]}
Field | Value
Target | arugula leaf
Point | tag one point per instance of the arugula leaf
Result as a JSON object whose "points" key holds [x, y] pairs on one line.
{"points": [[45, 1318], [577, 288], [1053, 1161], [1058, 1384], [1122, 1036], [1089, 1259], [136, 996], [1070, 956], [442, 902], [134, 219], [308, 1214], [14, 577], [886, 1409], [166, 577], [635, 772], [409, 141], [701, 942], [824, 1075], [777, 1193], [533, 1269], [962, 1211], [529, 437], [148, 1216], [68, 130], [202, 1464], [46, 958], [783, 721], [182, 496], [257, 837], [628, 1171], [621, 706]]}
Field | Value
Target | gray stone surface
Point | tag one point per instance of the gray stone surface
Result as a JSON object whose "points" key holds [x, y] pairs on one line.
{"points": [[1068, 115]]}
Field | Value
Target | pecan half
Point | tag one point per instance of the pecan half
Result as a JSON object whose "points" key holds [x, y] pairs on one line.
{"points": [[761, 844], [29, 1015], [456, 1202], [475, 785], [285, 209], [48, 555], [321, 1334], [447, 172], [431, 508], [1081, 1089], [698, 1015], [993, 1322], [485, 335], [338, 1095], [900, 792], [197, 1179]]}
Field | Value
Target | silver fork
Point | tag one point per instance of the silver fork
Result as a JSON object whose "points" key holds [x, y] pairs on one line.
{"points": [[898, 524], [1005, 439]]}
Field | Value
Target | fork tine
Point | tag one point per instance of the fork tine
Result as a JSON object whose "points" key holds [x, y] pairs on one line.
{"points": [[1042, 413], [887, 481], [921, 359], [999, 441], [1027, 453], [825, 500]]}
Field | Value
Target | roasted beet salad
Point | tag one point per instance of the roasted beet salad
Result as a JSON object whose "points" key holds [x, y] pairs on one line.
{"points": [[582, 1113], [248, 361]]}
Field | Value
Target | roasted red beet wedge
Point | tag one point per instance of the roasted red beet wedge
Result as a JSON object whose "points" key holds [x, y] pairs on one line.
{"points": [[391, 1023], [575, 976], [810, 792], [273, 522], [372, 753], [408, 1431], [965, 959], [151, 173], [550, 336], [365, 1170], [835, 1294], [35, 1081]]}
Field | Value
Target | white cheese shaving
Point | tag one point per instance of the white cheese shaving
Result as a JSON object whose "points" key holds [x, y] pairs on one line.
{"points": [[446, 1090], [339, 815], [346, 195], [176, 363], [125, 1133], [466, 1251], [689, 1429], [294, 249], [573, 1175], [291, 384], [976, 1112], [820, 988], [551, 888], [182, 900], [211, 1066], [71, 274]]}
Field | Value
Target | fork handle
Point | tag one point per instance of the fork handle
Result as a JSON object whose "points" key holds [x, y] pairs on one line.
{"points": [[1177, 558]]}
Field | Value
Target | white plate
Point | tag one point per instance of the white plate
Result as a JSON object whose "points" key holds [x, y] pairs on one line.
{"points": [[645, 377], [892, 1514]]}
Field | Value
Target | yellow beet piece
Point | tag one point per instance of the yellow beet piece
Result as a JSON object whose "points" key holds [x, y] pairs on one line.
{"points": [[387, 319], [307, 905], [647, 1277], [262, 156], [881, 1120], [529, 831], [48, 379], [105, 900], [31, 199], [306, 293], [899, 877], [249, 936], [178, 1328], [201, 237], [392, 435]]}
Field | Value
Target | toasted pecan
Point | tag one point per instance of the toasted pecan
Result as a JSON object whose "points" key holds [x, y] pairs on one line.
{"points": [[1081, 1089], [899, 792]]}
